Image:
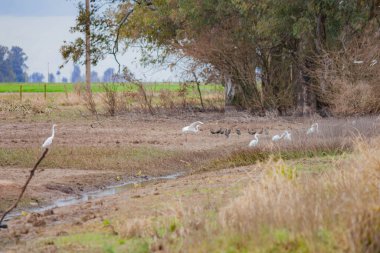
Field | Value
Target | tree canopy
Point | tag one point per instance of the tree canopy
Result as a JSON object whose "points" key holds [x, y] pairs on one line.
{"points": [[283, 39]]}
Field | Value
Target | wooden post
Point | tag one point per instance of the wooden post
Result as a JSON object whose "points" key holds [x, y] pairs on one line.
{"points": [[45, 90], [67, 95], [20, 92]]}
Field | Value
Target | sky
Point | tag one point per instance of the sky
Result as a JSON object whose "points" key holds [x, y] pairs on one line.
{"points": [[39, 27]]}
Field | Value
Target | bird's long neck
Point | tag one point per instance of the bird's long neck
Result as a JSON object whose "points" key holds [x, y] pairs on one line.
{"points": [[53, 131], [257, 139]]}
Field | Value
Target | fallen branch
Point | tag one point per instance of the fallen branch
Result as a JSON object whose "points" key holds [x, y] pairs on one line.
{"points": [[23, 188]]}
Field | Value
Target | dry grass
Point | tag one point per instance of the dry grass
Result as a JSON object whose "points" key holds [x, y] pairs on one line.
{"points": [[283, 210], [343, 199]]}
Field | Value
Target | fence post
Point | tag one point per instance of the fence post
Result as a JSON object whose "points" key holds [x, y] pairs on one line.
{"points": [[67, 95], [45, 91], [21, 93]]}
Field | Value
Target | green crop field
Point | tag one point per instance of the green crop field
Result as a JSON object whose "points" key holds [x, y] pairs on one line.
{"points": [[97, 87]]}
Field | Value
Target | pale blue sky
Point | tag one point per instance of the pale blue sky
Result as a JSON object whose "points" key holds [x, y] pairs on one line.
{"points": [[38, 8], [41, 26]]}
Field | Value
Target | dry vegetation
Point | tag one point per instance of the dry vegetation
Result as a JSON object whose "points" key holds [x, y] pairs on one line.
{"points": [[348, 80], [315, 194]]}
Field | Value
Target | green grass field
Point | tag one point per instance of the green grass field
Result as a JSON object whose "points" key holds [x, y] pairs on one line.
{"points": [[96, 87]]}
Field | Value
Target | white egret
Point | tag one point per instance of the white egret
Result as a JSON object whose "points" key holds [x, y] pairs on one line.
{"points": [[254, 142], [358, 62], [49, 140], [373, 63], [192, 128], [277, 137], [313, 129], [287, 136]]}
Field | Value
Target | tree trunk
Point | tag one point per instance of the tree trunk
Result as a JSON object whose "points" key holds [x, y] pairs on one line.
{"points": [[88, 60], [229, 93], [306, 99]]}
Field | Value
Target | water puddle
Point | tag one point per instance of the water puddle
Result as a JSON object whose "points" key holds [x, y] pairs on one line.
{"points": [[108, 191]]}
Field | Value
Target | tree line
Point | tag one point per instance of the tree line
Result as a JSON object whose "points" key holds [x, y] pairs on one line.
{"points": [[13, 68], [12, 64], [269, 54]]}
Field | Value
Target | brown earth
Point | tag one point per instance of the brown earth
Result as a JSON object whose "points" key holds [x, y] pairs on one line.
{"points": [[162, 132]]}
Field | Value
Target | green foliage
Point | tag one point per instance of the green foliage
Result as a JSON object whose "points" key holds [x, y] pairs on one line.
{"points": [[232, 36]]}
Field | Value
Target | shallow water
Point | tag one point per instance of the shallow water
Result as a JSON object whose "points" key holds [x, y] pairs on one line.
{"points": [[108, 191]]}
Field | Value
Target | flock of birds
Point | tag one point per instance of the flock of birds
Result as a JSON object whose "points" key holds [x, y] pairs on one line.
{"points": [[286, 135], [194, 128]]}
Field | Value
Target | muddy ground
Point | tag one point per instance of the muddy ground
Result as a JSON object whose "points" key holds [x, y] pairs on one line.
{"points": [[123, 132], [134, 130]]}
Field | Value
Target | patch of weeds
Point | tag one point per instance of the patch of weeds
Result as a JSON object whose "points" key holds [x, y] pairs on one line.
{"points": [[247, 157], [293, 245], [94, 242], [106, 222]]}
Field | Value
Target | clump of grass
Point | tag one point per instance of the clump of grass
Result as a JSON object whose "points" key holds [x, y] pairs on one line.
{"points": [[289, 151]]}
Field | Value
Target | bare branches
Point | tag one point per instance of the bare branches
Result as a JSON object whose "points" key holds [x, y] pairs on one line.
{"points": [[24, 187]]}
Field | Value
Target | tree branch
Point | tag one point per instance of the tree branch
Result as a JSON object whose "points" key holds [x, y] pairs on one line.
{"points": [[23, 188]]}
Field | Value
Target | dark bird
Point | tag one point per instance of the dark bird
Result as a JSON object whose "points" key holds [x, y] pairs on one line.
{"points": [[261, 131], [227, 132], [238, 131], [221, 131], [215, 131], [251, 132]]}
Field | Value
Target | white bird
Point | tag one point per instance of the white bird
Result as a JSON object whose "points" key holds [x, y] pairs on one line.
{"points": [[254, 142], [373, 63], [358, 62], [192, 128], [49, 140], [313, 129], [287, 136], [277, 137]]}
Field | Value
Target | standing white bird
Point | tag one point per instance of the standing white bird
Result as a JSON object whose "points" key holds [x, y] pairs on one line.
{"points": [[277, 137], [287, 136], [49, 140], [254, 142], [313, 129], [192, 128]]}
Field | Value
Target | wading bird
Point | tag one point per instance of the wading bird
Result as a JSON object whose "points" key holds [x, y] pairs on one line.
{"points": [[49, 140], [277, 137], [287, 136], [254, 142], [192, 128], [227, 133], [313, 129], [238, 132], [215, 132]]}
